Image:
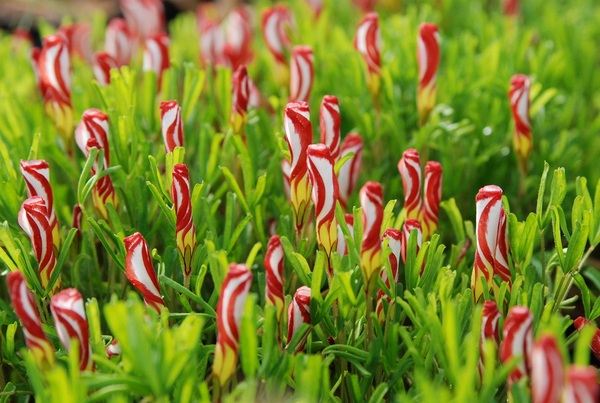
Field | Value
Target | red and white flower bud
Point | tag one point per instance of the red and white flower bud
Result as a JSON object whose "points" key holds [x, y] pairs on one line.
{"points": [[581, 385], [119, 41], [254, 97], [34, 219], [239, 100], [409, 225], [517, 339], [37, 180], [274, 275], [519, 105], [232, 300], [428, 57], [431, 198], [237, 29], [302, 73], [71, 323], [579, 323], [27, 312], [547, 373], [34, 59], [144, 17], [348, 174], [330, 122], [299, 313], [140, 272], [156, 55], [276, 21], [171, 124], [103, 62], [489, 330], [394, 241], [113, 349], [77, 216], [78, 40], [342, 247], [410, 172], [365, 5], [368, 42], [185, 230], [371, 201]]}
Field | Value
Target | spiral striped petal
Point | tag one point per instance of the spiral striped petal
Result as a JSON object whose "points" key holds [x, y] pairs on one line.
{"points": [[237, 28], [517, 338], [371, 201], [348, 174], [489, 330], [410, 225], [185, 231], [239, 100], [519, 105], [342, 247], [71, 323], [34, 219], [299, 313], [171, 124], [274, 275], [139, 271], [212, 42], [431, 198], [156, 55], [325, 193], [55, 81], [547, 373], [230, 308], [103, 62], [579, 323], [302, 72], [77, 215], [144, 17], [119, 41], [394, 242], [27, 312], [491, 256], [77, 37], [36, 174], [368, 42], [275, 24], [410, 172], [330, 122], [298, 134], [581, 385], [428, 57]]}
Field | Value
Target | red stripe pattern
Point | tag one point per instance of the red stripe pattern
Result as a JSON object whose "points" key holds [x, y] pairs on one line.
{"points": [[237, 31], [144, 17], [581, 385], [276, 21], [71, 323], [368, 42], [27, 312], [298, 134], [547, 373], [491, 256], [232, 300], [302, 73], [579, 323], [519, 106], [139, 271], [78, 40], [239, 100], [428, 57], [330, 122], [156, 55], [489, 329], [77, 216], [517, 338], [410, 172], [119, 41], [299, 313], [431, 198], [349, 172], [371, 201], [274, 275], [36, 174], [102, 63], [34, 219], [171, 124], [410, 225], [185, 231]]}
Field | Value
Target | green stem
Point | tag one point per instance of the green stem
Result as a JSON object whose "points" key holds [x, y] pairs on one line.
{"points": [[562, 293]]}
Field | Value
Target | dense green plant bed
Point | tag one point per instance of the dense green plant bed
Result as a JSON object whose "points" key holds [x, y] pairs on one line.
{"points": [[173, 230]]}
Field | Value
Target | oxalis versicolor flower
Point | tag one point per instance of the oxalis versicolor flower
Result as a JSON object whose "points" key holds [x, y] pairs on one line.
{"points": [[428, 57], [393, 237], [408, 227], [276, 21], [299, 313], [325, 193], [517, 339], [581, 385], [409, 167], [519, 105], [547, 373], [489, 330], [36, 174], [348, 174], [171, 125], [71, 323], [139, 271], [55, 82], [301, 73], [330, 122], [579, 323], [491, 256], [368, 42], [239, 100], [92, 132], [432, 195], [232, 300], [185, 231], [237, 41], [274, 275], [119, 41], [371, 201], [144, 17], [102, 63], [298, 134], [27, 312], [34, 219], [156, 55]]}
